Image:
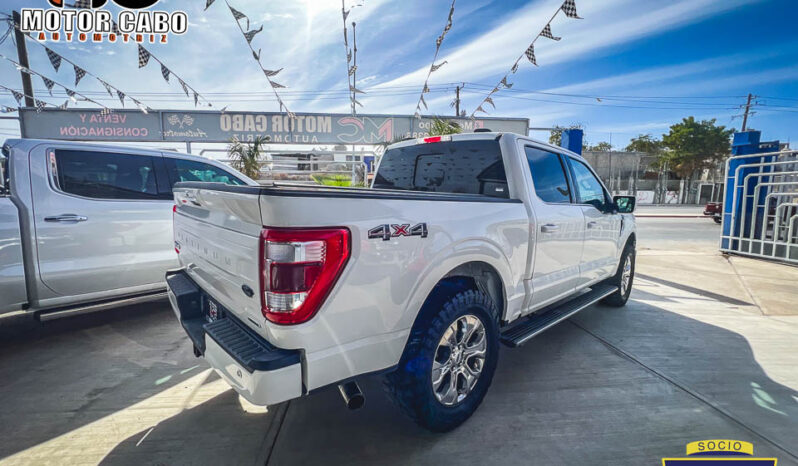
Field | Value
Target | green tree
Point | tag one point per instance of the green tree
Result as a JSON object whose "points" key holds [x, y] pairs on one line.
{"points": [[601, 147], [440, 127], [695, 145], [645, 143], [246, 157]]}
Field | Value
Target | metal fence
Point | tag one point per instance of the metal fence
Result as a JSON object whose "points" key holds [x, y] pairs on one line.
{"points": [[762, 220], [637, 174]]}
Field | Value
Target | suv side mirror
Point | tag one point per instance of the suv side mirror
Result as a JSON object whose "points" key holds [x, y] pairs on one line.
{"points": [[624, 204]]}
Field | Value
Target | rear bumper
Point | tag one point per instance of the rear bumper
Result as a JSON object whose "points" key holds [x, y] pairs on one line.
{"points": [[260, 372]]}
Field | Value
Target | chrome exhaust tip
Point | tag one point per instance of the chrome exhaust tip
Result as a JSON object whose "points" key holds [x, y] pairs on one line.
{"points": [[353, 397]]}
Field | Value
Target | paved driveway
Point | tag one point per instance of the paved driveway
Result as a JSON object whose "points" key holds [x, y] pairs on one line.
{"points": [[620, 386]]}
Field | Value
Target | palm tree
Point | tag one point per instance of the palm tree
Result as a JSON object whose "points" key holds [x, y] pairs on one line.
{"points": [[246, 157]]}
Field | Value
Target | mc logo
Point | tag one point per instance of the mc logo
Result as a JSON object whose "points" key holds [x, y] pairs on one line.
{"points": [[130, 4]]}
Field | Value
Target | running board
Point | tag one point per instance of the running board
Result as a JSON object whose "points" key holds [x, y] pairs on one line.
{"points": [[528, 327], [100, 306]]}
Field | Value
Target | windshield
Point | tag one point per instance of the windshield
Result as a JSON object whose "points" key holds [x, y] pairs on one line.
{"points": [[463, 167]]}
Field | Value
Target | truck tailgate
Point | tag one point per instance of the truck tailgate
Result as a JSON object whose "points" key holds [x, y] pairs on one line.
{"points": [[216, 234]]}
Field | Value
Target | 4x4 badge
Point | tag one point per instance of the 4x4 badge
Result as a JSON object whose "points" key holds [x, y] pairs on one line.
{"points": [[389, 231]]}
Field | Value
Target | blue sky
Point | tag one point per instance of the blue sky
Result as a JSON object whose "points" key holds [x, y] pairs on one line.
{"points": [[628, 67]]}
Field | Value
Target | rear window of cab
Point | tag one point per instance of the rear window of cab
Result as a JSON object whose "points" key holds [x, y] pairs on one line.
{"points": [[460, 167]]}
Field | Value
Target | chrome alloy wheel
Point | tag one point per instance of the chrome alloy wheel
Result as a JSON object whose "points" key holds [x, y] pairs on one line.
{"points": [[459, 360], [626, 275]]}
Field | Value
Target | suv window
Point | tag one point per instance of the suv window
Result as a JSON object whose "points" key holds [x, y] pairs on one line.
{"points": [[588, 188], [103, 175], [548, 175], [463, 167], [190, 170]]}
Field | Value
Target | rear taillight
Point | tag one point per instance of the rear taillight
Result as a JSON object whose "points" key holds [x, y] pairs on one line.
{"points": [[298, 268]]}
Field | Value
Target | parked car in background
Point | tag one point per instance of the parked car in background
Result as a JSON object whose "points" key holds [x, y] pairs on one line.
{"points": [[463, 242], [712, 208], [85, 227]]}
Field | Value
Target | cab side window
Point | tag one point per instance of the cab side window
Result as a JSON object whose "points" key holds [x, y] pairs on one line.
{"points": [[190, 170], [104, 175], [588, 188], [548, 176]]}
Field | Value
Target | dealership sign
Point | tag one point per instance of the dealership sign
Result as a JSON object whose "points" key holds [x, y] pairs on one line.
{"points": [[210, 126]]}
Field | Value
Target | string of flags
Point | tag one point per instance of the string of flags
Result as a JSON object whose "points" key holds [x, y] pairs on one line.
{"points": [[70, 92], [434, 67], [249, 35], [568, 7], [144, 57], [351, 59], [18, 96], [56, 60]]}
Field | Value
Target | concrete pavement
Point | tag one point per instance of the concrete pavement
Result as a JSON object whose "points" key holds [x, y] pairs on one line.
{"points": [[705, 349]]}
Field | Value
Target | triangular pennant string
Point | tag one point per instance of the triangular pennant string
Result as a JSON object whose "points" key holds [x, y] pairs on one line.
{"points": [[208, 3], [251, 34], [17, 96], [48, 83], [55, 59], [546, 32], [530, 54], [107, 87], [144, 57], [569, 8], [79, 73], [121, 96], [165, 72], [433, 66]]}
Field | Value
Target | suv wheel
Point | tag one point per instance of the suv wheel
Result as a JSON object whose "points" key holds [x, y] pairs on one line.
{"points": [[623, 278], [448, 363]]}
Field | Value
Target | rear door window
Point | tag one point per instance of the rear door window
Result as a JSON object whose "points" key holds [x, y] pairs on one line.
{"points": [[462, 167], [548, 176], [191, 170], [105, 175]]}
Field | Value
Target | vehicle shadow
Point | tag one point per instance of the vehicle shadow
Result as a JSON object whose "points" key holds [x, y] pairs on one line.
{"points": [[567, 397], [61, 376]]}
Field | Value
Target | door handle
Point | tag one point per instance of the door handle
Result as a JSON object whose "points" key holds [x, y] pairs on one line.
{"points": [[592, 224], [549, 228], [66, 218]]}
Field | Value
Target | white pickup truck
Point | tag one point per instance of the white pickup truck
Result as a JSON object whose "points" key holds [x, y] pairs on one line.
{"points": [[461, 243]]}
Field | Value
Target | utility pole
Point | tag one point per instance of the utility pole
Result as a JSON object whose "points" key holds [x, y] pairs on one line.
{"points": [[22, 52], [354, 73], [457, 101], [747, 109]]}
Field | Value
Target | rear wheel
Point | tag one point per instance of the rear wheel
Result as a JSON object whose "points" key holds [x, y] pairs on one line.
{"points": [[623, 278], [448, 363]]}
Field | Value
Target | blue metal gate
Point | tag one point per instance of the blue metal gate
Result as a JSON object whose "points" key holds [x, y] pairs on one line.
{"points": [[760, 209]]}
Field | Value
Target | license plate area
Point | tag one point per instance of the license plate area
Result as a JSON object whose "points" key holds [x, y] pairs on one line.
{"points": [[212, 310]]}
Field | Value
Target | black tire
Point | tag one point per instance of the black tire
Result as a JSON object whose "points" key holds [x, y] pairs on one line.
{"points": [[717, 219], [619, 298], [411, 386]]}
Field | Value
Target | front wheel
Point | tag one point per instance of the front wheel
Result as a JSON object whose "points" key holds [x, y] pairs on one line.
{"points": [[448, 363], [623, 278]]}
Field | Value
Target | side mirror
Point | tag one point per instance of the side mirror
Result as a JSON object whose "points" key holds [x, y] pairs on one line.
{"points": [[624, 204]]}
